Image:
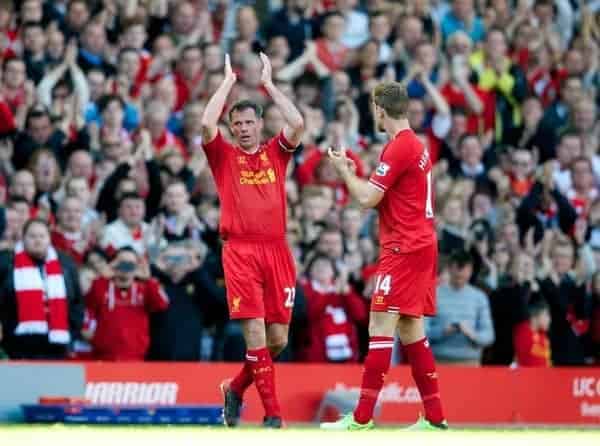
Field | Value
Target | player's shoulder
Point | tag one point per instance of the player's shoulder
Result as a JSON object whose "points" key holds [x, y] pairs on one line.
{"points": [[404, 146], [272, 142], [407, 139], [219, 141], [280, 142]]}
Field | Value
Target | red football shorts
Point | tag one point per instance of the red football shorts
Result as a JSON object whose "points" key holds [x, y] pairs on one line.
{"points": [[260, 278], [405, 283]]}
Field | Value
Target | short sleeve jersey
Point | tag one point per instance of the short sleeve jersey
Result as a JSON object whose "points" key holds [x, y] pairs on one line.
{"points": [[406, 221], [251, 187]]}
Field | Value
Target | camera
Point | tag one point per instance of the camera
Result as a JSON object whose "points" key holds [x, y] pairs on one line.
{"points": [[176, 259]]}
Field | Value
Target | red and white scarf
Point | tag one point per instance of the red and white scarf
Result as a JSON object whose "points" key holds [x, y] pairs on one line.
{"points": [[41, 300]]}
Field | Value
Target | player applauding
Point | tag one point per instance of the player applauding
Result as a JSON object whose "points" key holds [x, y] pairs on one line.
{"points": [[401, 189], [260, 276]]}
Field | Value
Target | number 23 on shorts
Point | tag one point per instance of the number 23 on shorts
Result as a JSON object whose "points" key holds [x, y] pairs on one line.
{"points": [[383, 283], [290, 296]]}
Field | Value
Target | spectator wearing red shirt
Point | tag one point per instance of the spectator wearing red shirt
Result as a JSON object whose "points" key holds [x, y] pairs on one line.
{"points": [[188, 75], [584, 191], [157, 116], [134, 36], [7, 119], [543, 79], [23, 185], [68, 236], [317, 169], [530, 338], [330, 49], [11, 44], [334, 311], [524, 34], [594, 344], [521, 172], [13, 83], [460, 92], [117, 310], [441, 123]]}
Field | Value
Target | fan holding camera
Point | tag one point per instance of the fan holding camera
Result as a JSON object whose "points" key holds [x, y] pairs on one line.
{"points": [[117, 322]]}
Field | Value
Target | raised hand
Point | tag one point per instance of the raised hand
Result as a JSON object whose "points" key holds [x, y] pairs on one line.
{"points": [[30, 93], [146, 149], [266, 77], [229, 73], [580, 231], [548, 175], [339, 160], [6, 150], [310, 48], [71, 53]]}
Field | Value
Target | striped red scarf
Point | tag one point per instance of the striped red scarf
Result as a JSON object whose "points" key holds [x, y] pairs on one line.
{"points": [[41, 301]]}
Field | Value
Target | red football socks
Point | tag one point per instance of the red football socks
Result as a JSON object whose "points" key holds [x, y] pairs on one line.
{"points": [[242, 381], [263, 374], [376, 366], [422, 364]]}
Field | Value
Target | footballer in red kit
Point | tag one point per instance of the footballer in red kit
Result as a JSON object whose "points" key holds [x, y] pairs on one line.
{"points": [[259, 268], [260, 274], [408, 255], [401, 189]]}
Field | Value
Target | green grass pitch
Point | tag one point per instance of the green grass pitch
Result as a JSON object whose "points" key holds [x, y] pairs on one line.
{"points": [[60, 435]]}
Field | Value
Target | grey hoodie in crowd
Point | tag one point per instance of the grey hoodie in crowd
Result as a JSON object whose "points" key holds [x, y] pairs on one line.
{"points": [[469, 305]]}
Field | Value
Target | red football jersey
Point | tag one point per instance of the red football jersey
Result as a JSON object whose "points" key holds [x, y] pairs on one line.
{"points": [[251, 188], [119, 319], [532, 348], [406, 210]]}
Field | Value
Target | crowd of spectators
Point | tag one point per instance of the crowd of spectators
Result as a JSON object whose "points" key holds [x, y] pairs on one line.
{"points": [[109, 217]]}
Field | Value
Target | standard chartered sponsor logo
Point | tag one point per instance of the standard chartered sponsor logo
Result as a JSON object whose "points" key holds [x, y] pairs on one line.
{"points": [[390, 393], [258, 177], [117, 392]]}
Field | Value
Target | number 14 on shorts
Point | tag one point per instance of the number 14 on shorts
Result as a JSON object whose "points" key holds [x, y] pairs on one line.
{"points": [[383, 283]]}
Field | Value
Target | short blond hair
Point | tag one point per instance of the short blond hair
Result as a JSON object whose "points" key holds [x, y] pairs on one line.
{"points": [[392, 97]]}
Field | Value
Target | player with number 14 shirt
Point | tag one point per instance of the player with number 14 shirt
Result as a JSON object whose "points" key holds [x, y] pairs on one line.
{"points": [[407, 236], [401, 190]]}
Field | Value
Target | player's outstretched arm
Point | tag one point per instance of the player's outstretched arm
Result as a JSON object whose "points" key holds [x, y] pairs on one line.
{"points": [[294, 121], [362, 191], [214, 108]]}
